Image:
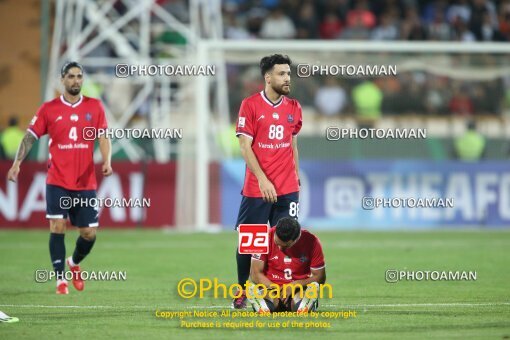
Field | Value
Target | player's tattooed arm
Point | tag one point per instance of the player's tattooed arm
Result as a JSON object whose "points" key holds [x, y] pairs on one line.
{"points": [[24, 148]]}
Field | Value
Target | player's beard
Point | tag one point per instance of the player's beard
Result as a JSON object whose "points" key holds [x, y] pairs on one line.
{"points": [[74, 91], [281, 91]]}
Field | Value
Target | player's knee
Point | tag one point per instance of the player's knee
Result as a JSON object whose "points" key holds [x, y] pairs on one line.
{"points": [[88, 233], [58, 225]]}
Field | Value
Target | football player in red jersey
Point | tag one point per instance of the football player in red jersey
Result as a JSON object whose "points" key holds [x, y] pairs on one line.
{"points": [[267, 129], [295, 257], [71, 172]]}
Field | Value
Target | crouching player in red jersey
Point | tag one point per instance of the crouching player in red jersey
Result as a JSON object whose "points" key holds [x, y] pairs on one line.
{"points": [[295, 259]]}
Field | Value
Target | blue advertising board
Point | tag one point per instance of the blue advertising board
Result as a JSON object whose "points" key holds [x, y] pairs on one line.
{"points": [[343, 195]]}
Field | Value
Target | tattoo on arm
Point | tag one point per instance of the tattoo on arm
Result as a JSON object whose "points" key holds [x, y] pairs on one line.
{"points": [[25, 146]]}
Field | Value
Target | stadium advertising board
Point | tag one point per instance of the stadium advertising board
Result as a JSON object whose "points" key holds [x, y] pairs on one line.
{"points": [[409, 194], [23, 204]]}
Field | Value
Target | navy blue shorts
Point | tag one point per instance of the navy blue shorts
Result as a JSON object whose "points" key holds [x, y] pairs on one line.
{"points": [[254, 210], [59, 205]]}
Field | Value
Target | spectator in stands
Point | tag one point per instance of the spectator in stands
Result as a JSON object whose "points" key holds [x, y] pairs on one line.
{"points": [[387, 29], [331, 98], [460, 103], [306, 22], [330, 27], [492, 99], [504, 21], [291, 8], [439, 29], [367, 99], [234, 30], [357, 19], [436, 95], [458, 10], [462, 32], [277, 26], [391, 88], [434, 8], [11, 138], [356, 31], [337, 7], [361, 16], [393, 8], [487, 31], [484, 21], [412, 100], [254, 20], [470, 146], [412, 27]]}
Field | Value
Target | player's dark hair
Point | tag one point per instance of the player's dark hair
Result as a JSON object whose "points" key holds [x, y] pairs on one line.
{"points": [[288, 229], [267, 63], [69, 65]]}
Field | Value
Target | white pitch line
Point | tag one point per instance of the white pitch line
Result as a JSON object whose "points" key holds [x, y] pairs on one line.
{"points": [[453, 304], [71, 307], [112, 307]]}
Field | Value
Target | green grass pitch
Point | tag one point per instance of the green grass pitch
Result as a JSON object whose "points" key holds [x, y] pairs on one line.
{"points": [[356, 262]]}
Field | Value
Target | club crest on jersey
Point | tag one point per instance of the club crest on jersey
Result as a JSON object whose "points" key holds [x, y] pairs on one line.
{"points": [[303, 258], [276, 116], [74, 117], [290, 118], [88, 117], [287, 259], [242, 121]]}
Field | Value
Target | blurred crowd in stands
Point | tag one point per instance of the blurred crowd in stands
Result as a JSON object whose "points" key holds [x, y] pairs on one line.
{"points": [[438, 20], [384, 20], [411, 92], [407, 93]]}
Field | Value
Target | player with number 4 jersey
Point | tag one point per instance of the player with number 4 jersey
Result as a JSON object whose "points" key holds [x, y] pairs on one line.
{"points": [[71, 176], [267, 128]]}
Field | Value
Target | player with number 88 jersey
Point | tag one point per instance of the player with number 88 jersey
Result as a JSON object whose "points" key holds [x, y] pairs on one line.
{"points": [[267, 128], [272, 127]]}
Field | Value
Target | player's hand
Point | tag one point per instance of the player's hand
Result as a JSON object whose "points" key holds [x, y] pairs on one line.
{"points": [[268, 191], [289, 291], [12, 175], [107, 169]]}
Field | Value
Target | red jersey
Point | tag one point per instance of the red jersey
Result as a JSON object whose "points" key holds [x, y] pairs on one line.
{"points": [[296, 262], [271, 127], [70, 163]]}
